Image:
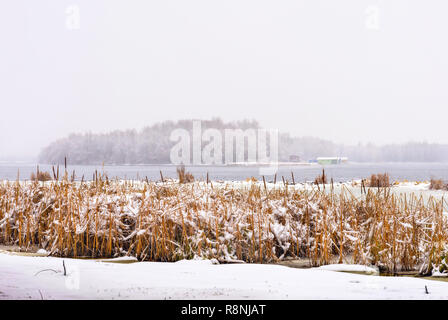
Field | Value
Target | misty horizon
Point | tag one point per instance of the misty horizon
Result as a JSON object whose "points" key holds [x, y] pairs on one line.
{"points": [[348, 72], [155, 145], [35, 157]]}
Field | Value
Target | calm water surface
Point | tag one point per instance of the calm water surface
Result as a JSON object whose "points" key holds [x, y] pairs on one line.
{"points": [[340, 173]]}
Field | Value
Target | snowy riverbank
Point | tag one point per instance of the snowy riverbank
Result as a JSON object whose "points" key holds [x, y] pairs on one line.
{"points": [[254, 221], [24, 278]]}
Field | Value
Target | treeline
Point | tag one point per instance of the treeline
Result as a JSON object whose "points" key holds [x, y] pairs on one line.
{"points": [[152, 145], [408, 152]]}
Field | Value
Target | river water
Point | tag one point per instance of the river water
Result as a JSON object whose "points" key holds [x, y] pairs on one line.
{"points": [[340, 173]]}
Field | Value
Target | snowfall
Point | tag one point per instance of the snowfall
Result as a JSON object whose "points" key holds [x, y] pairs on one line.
{"points": [[42, 277], [26, 277]]}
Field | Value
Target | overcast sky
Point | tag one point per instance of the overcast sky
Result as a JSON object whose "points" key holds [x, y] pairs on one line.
{"points": [[349, 71]]}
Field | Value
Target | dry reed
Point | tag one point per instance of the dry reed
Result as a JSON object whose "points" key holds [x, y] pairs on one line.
{"points": [[437, 184], [183, 176], [321, 179], [40, 176], [379, 180], [251, 222]]}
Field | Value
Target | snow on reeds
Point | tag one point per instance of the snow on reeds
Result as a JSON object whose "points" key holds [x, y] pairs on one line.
{"points": [[379, 180], [437, 184], [170, 221]]}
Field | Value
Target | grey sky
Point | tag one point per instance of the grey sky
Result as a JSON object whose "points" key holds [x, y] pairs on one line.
{"points": [[309, 67]]}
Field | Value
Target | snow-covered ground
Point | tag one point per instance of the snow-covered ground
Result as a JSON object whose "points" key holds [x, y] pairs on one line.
{"points": [[24, 277]]}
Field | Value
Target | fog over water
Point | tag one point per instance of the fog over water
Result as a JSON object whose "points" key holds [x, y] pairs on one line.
{"points": [[348, 71], [340, 173]]}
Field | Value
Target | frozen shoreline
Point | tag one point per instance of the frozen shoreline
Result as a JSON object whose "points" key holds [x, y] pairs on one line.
{"points": [[129, 219], [418, 188], [23, 278]]}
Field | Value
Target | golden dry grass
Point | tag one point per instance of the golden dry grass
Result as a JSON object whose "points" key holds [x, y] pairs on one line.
{"points": [[321, 179], [437, 184], [183, 176], [171, 221], [40, 176], [380, 180]]}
